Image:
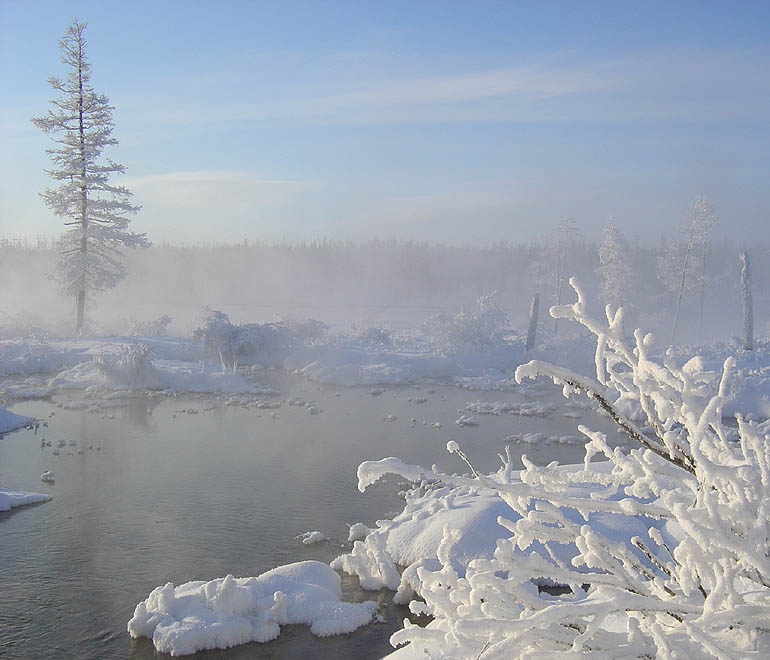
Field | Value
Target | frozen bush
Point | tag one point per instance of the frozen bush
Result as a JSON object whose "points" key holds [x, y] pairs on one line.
{"points": [[132, 369], [305, 331], [232, 344], [483, 327], [155, 328], [696, 585], [371, 335]]}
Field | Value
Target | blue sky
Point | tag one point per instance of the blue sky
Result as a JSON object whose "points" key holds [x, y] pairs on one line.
{"points": [[457, 122]]}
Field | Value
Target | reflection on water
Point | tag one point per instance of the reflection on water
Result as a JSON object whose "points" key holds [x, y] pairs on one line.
{"points": [[178, 489]]}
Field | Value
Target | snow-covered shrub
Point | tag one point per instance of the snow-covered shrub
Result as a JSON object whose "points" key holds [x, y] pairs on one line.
{"points": [[467, 330], [305, 331], [371, 335], [696, 585], [232, 344], [154, 328], [132, 369]]}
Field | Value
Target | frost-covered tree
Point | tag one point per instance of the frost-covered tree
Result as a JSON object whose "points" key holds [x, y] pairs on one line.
{"points": [[550, 269], [694, 584], [683, 266], [614, 265], [96, 212]]}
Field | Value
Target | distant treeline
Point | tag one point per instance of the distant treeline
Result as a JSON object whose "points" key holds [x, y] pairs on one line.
{"points": [[378, 280]]}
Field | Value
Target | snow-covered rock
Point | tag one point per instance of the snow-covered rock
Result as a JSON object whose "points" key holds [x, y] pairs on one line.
{"points": [[311, 538], [229, 611]]}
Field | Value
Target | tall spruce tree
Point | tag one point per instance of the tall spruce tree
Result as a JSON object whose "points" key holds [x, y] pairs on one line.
{"points": [[96, 213]]}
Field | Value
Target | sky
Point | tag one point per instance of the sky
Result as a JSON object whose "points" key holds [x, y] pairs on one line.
{"points": [[451, 122]]}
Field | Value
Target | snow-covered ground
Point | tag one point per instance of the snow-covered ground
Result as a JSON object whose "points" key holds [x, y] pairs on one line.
{"points": [[10, 499], [450, 524], [10, 421], [30, 368]]}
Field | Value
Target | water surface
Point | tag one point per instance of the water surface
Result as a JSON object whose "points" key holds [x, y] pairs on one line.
{"points": [[185, 488]]}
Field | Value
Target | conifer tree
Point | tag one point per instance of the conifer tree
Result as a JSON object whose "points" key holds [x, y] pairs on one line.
{"points": [[614, 265], [97, 213], [678, 267]]}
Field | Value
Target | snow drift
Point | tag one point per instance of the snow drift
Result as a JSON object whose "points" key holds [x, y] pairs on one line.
{"points": [[229, 611]]}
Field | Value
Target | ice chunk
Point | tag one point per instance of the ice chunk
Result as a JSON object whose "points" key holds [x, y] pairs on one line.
{"points": [[309, 538], [467, 420], [10, 499]]}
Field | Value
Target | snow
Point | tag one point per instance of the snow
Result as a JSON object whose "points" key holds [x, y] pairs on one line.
{"points": [[663, 548], [543, 525], [10, 499], [439, 502], [358, 531], [10, 421], [311, 538], [230, 611], [31, 368], [532, 409]]}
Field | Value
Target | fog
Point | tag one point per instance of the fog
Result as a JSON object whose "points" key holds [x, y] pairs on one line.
{"points": [[390, 284]]}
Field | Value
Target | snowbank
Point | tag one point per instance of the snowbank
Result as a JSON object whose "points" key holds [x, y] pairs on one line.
{"points": [[175, 365], [10, 499], [439, 502], [175, 376], [229, 611], [31, 356], [10, 421]]}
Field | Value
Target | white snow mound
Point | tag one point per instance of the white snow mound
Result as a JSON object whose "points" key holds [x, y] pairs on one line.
{"points": [[229, 611]]}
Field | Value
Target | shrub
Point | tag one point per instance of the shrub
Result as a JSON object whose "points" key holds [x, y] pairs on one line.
{"points": [[468, 330]]}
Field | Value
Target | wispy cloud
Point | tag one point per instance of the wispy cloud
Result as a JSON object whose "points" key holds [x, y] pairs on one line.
{"points": [[660, 86]]}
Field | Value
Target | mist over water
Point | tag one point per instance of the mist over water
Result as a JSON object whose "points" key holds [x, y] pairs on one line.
{"points": [[383, 283]]}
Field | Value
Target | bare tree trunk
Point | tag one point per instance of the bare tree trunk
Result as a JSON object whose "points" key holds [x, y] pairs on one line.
{"points": [[533, 314], [748, 306]]}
